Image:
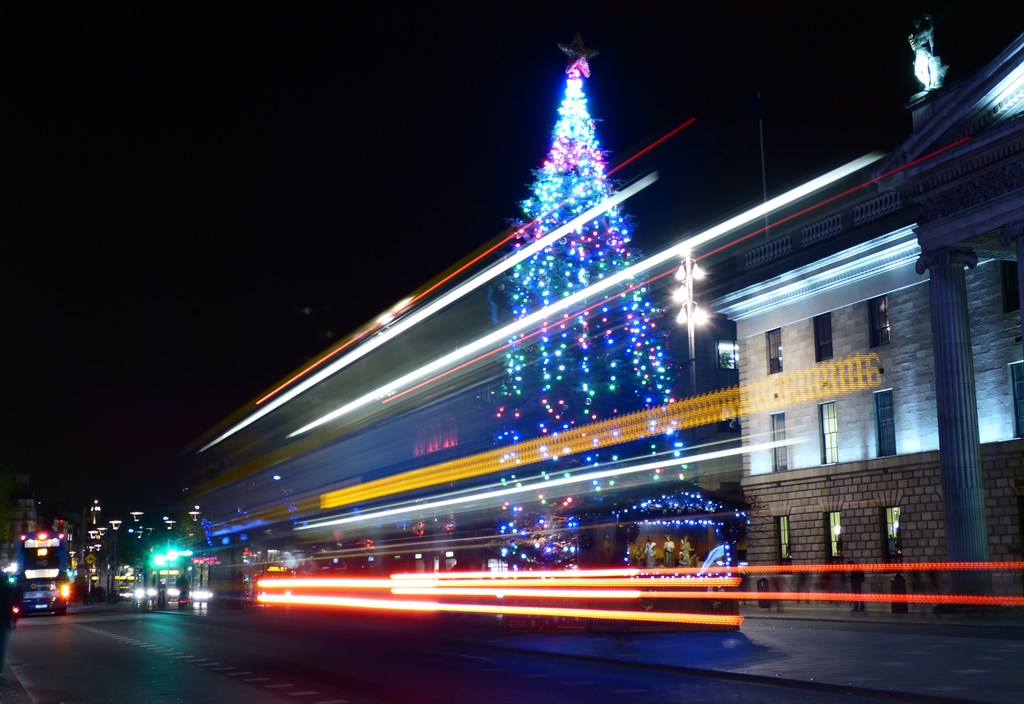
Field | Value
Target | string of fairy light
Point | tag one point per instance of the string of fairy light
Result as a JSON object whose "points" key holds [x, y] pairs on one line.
{"points": [[583, 365]]}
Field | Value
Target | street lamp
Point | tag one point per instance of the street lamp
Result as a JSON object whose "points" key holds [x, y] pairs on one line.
{"points": [[112, 594], [135, 515], [689, 312], [194, 513]]}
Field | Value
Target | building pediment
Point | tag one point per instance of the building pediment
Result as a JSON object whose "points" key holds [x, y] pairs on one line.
{"points": [[962, 167], [952, 117]]}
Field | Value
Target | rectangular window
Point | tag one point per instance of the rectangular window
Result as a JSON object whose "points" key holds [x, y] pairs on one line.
{"points": [[822, 337], [784, 538], [1017, 382], [829, 433], [885, 423], [878, 320], [893, 545], [779, 453], [834, 535], [1010, 286], [774, 340], [728, 354]]}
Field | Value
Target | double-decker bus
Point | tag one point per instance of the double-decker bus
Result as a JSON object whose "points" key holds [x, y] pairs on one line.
{"points": [[43, 572]]}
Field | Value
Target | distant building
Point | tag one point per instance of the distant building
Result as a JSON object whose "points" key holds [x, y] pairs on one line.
{"points": [[24, 519]]}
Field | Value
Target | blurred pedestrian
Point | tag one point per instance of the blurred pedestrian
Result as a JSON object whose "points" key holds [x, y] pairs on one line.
{"points": [[777, 588], [183, 588], [6, 618], [801, 585], [857, 578]]}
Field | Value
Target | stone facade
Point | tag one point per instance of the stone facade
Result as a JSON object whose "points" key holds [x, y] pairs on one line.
{"points": [[861, 491], [942, 261]]}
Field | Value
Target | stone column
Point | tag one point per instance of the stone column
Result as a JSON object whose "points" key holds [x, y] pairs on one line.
{"points": [[956, 403], [1014, 233]]}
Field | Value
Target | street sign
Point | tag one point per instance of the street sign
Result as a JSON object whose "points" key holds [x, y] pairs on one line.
{"points": [[90, 558]]}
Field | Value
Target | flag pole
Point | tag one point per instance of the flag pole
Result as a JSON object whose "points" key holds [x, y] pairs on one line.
{"points": [[764, 178]]}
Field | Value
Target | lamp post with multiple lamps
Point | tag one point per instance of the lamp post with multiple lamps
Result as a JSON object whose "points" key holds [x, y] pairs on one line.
{"points": [[102, 558], [113, 592], [104, 570], [91, 516], [689, 312]]}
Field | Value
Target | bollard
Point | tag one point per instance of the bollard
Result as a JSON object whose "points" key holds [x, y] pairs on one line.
{"points": [[899, 586]]}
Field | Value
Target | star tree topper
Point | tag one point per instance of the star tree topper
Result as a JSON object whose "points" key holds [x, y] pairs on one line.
{"points": [[578, 54]]}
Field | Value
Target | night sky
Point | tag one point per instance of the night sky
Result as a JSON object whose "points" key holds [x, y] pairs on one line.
{"points": [[196, 193]]}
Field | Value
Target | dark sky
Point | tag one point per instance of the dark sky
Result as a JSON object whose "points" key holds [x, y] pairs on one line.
{"points": [[202, 196]]}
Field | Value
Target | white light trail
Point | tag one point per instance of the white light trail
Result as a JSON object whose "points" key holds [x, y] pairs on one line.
{"points": [[545, 484], [671, 254], [421, 314]]}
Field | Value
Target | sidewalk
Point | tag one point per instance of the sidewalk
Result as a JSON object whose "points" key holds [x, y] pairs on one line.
{"points": [[883, 613], [977, 661]]}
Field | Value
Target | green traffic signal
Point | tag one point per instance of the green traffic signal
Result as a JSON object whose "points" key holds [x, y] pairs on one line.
{"points": [[168, 558]]}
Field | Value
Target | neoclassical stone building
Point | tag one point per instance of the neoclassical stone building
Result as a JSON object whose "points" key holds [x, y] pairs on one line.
{"points": [[915, 260]]}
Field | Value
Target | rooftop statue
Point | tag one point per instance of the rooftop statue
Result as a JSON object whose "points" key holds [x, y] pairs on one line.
{"points": [[928, 67]]}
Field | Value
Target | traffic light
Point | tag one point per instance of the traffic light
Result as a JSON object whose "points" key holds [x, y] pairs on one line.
{"points": [[166, 559]]}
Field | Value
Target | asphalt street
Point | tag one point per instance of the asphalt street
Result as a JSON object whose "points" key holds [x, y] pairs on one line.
{"points": [[921, 656]]}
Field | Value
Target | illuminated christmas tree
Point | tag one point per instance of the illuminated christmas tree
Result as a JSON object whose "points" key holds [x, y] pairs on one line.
{"points": [[595, 360], [600, 358]]}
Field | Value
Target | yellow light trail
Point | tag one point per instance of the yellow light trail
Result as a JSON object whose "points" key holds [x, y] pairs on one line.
{"points": [[307, 505], [825, 380]]}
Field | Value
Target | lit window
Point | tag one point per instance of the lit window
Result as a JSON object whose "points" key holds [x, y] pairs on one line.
{"points": [[878, 320], [829, 434], [784, 538], [834, 534], [893, 544], [774, 341], [728, 354], [779, 454]]}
